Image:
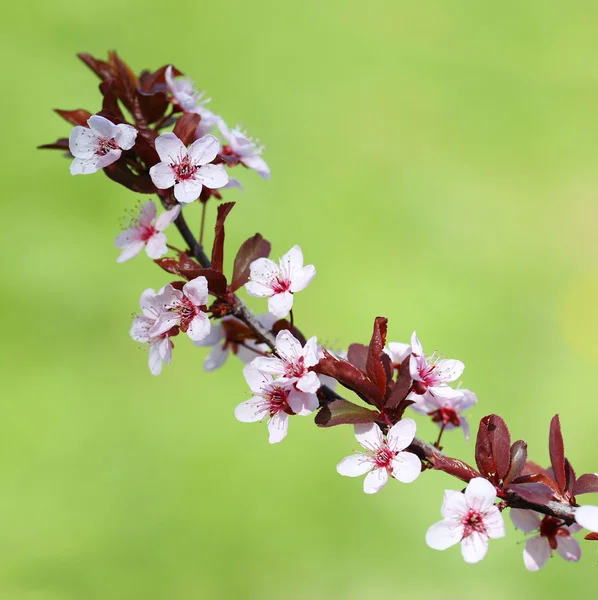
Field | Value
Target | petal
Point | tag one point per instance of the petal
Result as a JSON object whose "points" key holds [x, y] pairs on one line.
{"points": [[148, 213], [102, 126], [587, 516], [569, 548], [188, 190], [288, 346], [258, 164], [84, 166], [199, 327], [310, 352], [444, 534], [464, 422], [167, 217], [258, 290], [278, 426], [165, 322], [197, 290], [536, 552], [375, 481], [292, 260], [301, 278], [280, 304], [309, 383], [140, 328], [480, 494], [264, 271], [169, 148], [156, 246], [165, 347], [466, 400], [401, 434], [108, 158], [525, 520], [216, 358], [406, 467], [449, 369], [125, 136], [130, 251], [212, 176], [494, 523], [369, 436], [204, 150], [256, 379], [154, 360], [215, 336], [454, 505], [416, 347], [250, 411], [82, 142], [162, 176], [302, 404], [474, 547], [269, 365], [398, 352], [355, 465]]}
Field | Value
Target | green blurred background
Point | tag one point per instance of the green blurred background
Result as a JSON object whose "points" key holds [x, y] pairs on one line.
{"points": [[436, 161]]}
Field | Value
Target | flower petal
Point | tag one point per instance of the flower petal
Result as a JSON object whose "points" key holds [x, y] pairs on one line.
{"points": [[108, 158], [568, 547], [587, 516], [204, 150], [154, 360], [480, 494], [302, 278], [212, 176], [280, 304], [375, 480], [474, 547], [167, 218], [162, 176], [444, 534], [199, 327], [494, 523], [278, 426], [83, 143], [251, 411], [309, 383], [197, 290], [256, 378], [355, 465], [156, 246], [102, 126], [216, 358], [258, 290], [401, 434], [125, 136], [454, 505], [525, 520], [130, 251], [258, 164], [406, 467], [188, 190], [84, 166], [170, 149], [536, 552], [369, 436]]}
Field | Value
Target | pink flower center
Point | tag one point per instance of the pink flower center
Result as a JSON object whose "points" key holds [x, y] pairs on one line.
{"points": [[276, 398], [295, 368], [383, 457], [550, 528], [184, 169], [147, 233], [187, 311], [445, 416], [105, 145], [281, 285], [473, 522]]}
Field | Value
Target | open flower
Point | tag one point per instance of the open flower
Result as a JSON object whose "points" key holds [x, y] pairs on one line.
{"points": [[292, 363], [385, 456], [470, 518], [553, 534], [185, 309], [432, 372], [275, 399], [99, 145], [187, 170], [398, 352], [160, 346], [146, 231], [445, 406], [248, 151], [587, 517], [279, 282]]}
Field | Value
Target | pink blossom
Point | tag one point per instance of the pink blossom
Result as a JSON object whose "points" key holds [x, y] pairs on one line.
{"points": [[445, 406], [247, 150], [587, 517], [470, 518], [433, 371], [160, 346], [279, 282], [146, 231], [99, 145], [398, 352], [385, 456], [273, 398], [187, 170], [292, 362], [553, 534], [185, 309]]}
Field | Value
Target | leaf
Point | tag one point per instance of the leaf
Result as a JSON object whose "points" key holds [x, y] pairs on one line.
{"points": [[557, 453], [483, 451], [99, 67], [493, 448], [252, 249], [59, 144], [536, 493], [358, 355], [110, 106], [218, 247], [456, 468], [216, 281], [124, 80], [518, 460], [592, 537], [570, 477], [374, 367], [153, 104], [542, 478], [586, 484], [183, 265], [186, 126], [74, 117], [402, 387], [120, 173], [342, 412]]}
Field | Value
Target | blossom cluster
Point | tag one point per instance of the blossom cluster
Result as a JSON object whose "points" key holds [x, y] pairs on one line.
{"points": [[288, 374]]}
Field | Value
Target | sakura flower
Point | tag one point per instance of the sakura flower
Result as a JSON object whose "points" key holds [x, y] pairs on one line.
{"points": [[187, 170], [245, 149], [275, 399], [231, 335], [279, 282], [398, 352], [160, 346], [99, 145], [385, 456], [470, 518], [436, 372], [146, 231], [185, 309], [553, 534], [587, 517], [292, 363], [445, 406]]}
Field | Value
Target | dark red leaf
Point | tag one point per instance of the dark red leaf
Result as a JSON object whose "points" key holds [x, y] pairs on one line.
{"points": [[149, 82], [74, 117], [342, 412], [218, 247], [60, 144], [119, 172], [570, 477], [216, 281], [186, 126], [483, 452], [536, 493], [557, 453], [183, 265], [252, 249], [518, 460], [532, 468], [501, 445], [110, 107], [396, 414], [124, 79], [99, 67], [402, 387], [456, 468], [586, 484], [153, 104], [358, 355], [592, 537], [374, 367]]}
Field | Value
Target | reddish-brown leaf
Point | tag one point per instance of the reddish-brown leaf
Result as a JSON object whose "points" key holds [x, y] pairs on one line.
{"points": [[542, 478], [456, 468], [374, 367], [501, 445], [99, 67], [342, 412], [402, 387], [125, 80], [153, 104], [592, 537], [216, 281], [183, 265], [59, 144], [74, 117], [218, 247], [119, 172], [586, 484], [518, 460], [358, 355], [110, 107], [483, 452], [557, 453], [536, 493], [252, 249], [186, 126]]}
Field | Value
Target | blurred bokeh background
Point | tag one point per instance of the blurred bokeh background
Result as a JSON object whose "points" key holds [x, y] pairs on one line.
{"points": [[437, 162]]}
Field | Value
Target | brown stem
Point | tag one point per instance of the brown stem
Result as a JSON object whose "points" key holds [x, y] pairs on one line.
{"points": [[203, 222]]}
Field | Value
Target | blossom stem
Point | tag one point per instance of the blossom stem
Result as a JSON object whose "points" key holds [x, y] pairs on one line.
{"points": [[203, 222], [437, 443]]}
